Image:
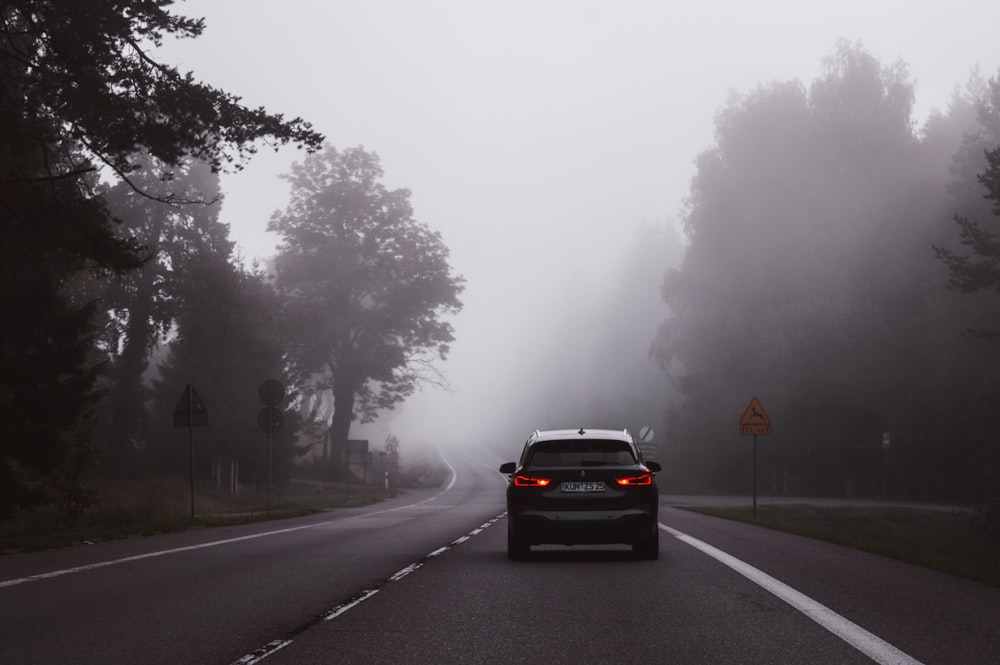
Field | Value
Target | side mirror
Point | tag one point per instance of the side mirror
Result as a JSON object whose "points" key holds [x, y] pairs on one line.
{"points": [[654, 466], [508, 467]]}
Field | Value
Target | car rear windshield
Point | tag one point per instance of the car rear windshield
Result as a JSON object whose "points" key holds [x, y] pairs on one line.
{"points": [[581, 452]]}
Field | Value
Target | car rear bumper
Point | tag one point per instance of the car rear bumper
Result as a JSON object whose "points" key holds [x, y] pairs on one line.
{"points": [[570, 527]]}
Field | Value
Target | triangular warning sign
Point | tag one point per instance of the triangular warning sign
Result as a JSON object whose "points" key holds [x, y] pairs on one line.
{"points": [[190, 410], [755, 414]]}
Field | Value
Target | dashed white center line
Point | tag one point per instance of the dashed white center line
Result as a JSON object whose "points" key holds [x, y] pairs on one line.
{"points": [[272, 647], [340, 609], [263, 652], [404, 572]]}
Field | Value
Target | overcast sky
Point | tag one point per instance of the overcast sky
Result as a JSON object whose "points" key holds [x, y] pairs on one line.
{"points": [[536, 135]]}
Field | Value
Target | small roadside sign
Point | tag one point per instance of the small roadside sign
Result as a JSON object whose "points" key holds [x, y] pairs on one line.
{"points": [[755, 420], [647, 446], [270, 419], [190, 410], [271, 392], [356, 451]]}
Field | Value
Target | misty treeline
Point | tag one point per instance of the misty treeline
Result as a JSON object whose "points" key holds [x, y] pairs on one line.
{"points": [[120, 285], [826, 275]]}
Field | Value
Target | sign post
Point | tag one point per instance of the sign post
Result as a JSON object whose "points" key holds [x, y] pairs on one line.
{"points": [[270, 419], [355, 452], [755, 421], [191, 412], [885, 464]]}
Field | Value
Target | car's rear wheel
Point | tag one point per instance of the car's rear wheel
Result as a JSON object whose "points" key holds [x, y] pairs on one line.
{"points": [[649, 547], [517, 548]]}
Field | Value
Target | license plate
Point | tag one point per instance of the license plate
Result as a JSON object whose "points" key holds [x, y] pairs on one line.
{"points": [[590, 486]]}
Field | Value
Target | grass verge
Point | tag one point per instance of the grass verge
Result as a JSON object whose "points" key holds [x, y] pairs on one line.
{"points": [[125, 510], [941, 540]]}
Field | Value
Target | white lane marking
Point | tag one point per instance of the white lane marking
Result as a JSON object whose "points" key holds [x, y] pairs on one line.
{"points": [[872, 646], [454, 475], [404, 572], [216, 543], [263, 652], [340, 609], [149, 555]]}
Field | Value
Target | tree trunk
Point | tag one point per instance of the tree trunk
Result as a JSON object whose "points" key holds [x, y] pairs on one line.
{"points": [[128, 395], [340, 423]]}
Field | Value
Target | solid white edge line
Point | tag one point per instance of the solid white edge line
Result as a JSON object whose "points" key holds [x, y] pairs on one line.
{"points": [[871, 645], [149, 555], [227, 541], [454, 474]]}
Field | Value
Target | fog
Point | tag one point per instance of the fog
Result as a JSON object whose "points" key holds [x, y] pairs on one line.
{"points": [[541, 139]]}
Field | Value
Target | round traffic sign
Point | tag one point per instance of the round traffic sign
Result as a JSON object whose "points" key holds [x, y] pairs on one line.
{"points": [[271, 392], [270, 419]]}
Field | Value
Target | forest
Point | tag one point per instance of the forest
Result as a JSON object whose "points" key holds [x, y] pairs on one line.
{"points": [[839, 262], [841, 266], [129, 308]]}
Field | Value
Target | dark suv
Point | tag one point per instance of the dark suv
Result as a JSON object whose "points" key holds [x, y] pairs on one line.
{"points": [[582, 487]]}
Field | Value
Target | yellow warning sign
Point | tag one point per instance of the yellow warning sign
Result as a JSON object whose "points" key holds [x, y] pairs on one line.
{"points": [[755, 419]]}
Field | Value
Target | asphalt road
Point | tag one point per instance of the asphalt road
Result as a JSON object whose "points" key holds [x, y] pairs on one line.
{"points": [[424, 578]]}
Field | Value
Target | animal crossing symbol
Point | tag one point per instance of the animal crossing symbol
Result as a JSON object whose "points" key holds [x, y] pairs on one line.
{"points": [[755, 419]]}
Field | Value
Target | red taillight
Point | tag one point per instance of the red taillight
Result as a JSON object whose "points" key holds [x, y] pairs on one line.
{"points": [[634, 481], [531, 481]]}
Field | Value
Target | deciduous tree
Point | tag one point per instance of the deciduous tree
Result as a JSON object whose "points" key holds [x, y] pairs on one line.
{"points": [[80, 88], [142, 306], [225, 345], [807, 283], [367, 288]]}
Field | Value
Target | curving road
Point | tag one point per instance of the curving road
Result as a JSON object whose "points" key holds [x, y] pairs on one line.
{"points": [[424, 578]]}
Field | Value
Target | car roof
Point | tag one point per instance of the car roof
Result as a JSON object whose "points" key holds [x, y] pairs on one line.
{"points": [[582, 433]]}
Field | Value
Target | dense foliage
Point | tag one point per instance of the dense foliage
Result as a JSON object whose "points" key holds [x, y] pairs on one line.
{"points": [[810, 282], [821, 274], [84, 73], [79, 88], [366, 287], [976, 269], [191, 314]]}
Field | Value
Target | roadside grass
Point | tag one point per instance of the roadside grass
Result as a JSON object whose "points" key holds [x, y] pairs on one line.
{"points": [[946, 541], [131, 509]]}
